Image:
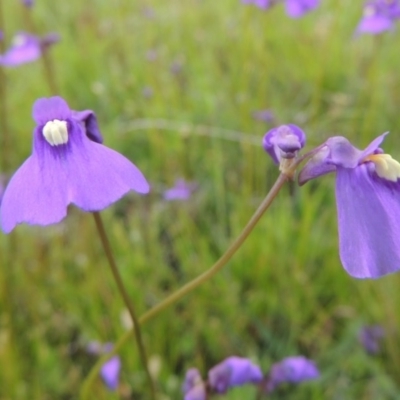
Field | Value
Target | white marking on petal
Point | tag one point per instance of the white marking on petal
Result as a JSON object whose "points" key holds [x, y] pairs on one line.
{"points": [[19, 41], [386, 167], [56, 132]]}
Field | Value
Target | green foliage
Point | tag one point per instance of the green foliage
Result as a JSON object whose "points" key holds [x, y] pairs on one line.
{"points": [[154, 71]]}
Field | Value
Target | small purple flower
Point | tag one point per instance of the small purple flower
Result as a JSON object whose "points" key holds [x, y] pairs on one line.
{"points": [[193, 387], [182, 190], [264, 115], [370, 337], [233, 371], [264, 4], [66, 167], [291, 370], [284, 142], [110, 372], [368, 204], [26, 48], [378, 16], [297, 8], [27, 3]]}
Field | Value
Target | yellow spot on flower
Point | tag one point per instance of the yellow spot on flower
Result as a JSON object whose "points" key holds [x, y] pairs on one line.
{"points": [[385, 166]]}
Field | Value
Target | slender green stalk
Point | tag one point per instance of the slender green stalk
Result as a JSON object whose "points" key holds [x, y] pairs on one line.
{"points": [[46, 59], [128, 302], [190, 286]]}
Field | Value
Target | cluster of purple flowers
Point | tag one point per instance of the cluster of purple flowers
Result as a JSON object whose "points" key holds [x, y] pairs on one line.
{"points": [[237, 371], [367, 196], [379, 16], [294, 8]]}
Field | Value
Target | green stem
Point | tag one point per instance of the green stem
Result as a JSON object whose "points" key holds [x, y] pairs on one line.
{"points": [[190, 286], [128, 302], [46, 59]]}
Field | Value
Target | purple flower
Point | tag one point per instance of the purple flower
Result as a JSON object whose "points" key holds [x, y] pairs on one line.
{"points": [[66, 167], [193, 387], [370, 338], [297, 8], [264, 115], [291, 370], [368, 204], [233, 371], [26, 48], [110, 372], [379, 16], [284, 142], [27, 3], [264, 4], [182, 190]]}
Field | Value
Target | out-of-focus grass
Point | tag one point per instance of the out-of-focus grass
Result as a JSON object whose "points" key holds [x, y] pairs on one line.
{"points": [[207, 63]]}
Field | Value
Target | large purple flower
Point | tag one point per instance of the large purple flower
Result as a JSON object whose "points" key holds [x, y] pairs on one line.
{"points": [[379, 16], [66, 167], [291, 370], [368, 204], [26, 48], [233, 371]]}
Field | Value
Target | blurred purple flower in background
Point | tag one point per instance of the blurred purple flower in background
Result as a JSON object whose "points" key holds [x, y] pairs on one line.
{"points": [[182, 190], [370, 337], [110, 370], [378, 16], [294, 8], [368, 204], [297, 8], [291, 370], [193, 387], [27, 48], [264, 115], [27, 3], [284, 142], [66, 167], [233, 371]]}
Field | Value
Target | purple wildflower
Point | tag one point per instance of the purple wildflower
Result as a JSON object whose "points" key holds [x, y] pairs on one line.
{"points": [[378, 16], [193, 387], [182, 190], [370, 338], [291, 370], [27, 3], [110, 372], [66, 167], [264, 115], [26, 48], [368, 204], [297, 8], [284, 142], [233, 371], [264, 4]]}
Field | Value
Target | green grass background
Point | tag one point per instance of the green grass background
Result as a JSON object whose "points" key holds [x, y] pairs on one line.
{"points": [[285, 292]]}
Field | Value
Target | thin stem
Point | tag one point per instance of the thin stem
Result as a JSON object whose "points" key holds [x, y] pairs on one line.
{"points": [[136, 324], [190, 286], [5, 142]]}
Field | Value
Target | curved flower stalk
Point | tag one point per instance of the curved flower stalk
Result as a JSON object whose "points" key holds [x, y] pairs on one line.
{"points": [[368, 204], [68, 165], [26, 48]]}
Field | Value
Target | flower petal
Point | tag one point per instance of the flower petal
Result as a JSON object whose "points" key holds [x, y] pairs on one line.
{"points": [[98, 176], [48, 109], [34, 196], [110, 372], [369, 222], [88, 120]]}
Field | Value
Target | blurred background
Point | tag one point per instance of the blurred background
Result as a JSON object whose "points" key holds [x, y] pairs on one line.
{"points": [[186, 90]]}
